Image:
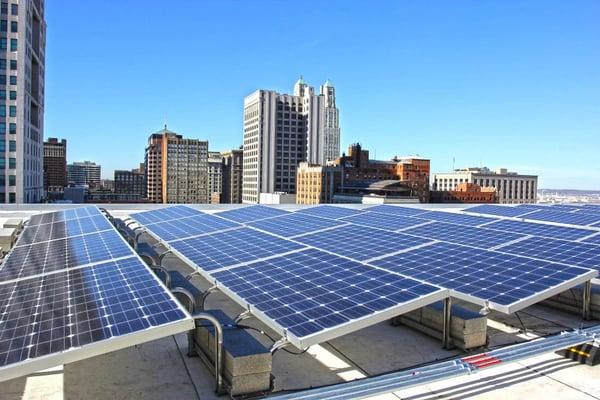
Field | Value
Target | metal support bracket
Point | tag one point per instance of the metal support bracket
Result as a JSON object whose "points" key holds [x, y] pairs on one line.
{"points": [[205, 295], [191, 275], [446, 323], [242, 316], [279, 344], [131, 222], [586, 300]]}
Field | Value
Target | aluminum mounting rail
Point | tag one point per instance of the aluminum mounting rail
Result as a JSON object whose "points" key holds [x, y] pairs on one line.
{"points": [[367, 387]]}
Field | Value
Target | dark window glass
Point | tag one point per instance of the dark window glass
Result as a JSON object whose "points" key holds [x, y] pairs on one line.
{"points": [[12, 128], [14, 9], [13, 78], [12, 163], [14, 44], [3, 25], [12, 197], [12, 145], [13, 65], [13, 95], [14, 26], [12, 111]]}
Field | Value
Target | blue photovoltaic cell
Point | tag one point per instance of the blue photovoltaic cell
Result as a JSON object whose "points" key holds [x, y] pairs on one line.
{"points": [[164, 214], [593, 239], [588, 210], [573, 253], [564, 207], [359, 242], [396, 210], [564, 217], [189, 226], [62, 229], [455, 218], [64, 215], [69, 309], [251, 213], [310, 291], [461, 234], [539, 229], [293, 224], [490, 276], [224, 249], [502, 211], [389, 222], [331, 212], [49, 256], [596, 225]]}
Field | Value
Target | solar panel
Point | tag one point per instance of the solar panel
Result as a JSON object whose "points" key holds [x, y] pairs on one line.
{"points": [[66, 253], [507, 282], [75, 314], [359, 242], [189, 226], [331, 212], [396, 210], [164, 214], [63, 215], [574, 253], [564, 207], [461, 234], [293, 224], [312, 296], [389, 222], [251, 213], [224, 249], [502, 211], [564, 217], [539, 229], [62, 229], [593, 239], [455, 218]]}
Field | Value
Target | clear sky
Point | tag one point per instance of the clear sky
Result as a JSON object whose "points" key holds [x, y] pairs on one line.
{"points": [[511, 84]]}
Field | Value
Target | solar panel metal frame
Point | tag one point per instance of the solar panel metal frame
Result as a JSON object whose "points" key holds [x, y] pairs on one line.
{"points": [[525, 302], [326, 334], [342, 329], [104, 346], [519, 214]]}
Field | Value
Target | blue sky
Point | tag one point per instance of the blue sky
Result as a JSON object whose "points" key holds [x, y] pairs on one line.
{"points": [[499, 83]]}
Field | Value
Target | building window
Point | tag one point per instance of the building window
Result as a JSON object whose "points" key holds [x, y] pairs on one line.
{"points": [[2, 128], [12, 128], [2, 162], [13, 95], [4, 8], [12, 197], [12, 111], [12, 163], [3, 43], [2, 111], [12, 145], [2, 147], [2, 79], [14, 26], [13, 78], [14, 44], [14, 9], [13, 65], [2, 94]]}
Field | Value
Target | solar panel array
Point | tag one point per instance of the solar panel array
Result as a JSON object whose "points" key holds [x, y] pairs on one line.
{"points": [[580, 215], [274, 259], [71, 289]]}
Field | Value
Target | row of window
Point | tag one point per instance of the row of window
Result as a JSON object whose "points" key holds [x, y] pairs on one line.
{"points": [[12, 128], [4, 44], [12, 197], [12, 180], [12, 164], [4, 26], [13, 79], [13, 64], [13, 94], [12, 111], [12, 146], [14, 8]]}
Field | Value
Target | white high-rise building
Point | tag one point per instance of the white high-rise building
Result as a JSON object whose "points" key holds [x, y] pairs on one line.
{"points": [[22, 61], [282, 130]]}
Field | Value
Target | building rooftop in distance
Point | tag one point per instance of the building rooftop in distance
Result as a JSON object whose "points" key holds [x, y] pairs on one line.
{"points": [[161, 369]]}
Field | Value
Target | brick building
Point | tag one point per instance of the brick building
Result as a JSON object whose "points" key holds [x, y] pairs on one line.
{"points": [[233, 161], [55, 165], [316, 183], [131, 183], [465, 193]]}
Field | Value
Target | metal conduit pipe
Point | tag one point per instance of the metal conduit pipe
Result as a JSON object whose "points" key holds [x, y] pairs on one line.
{"points": [[446, 323], [191, 307], [534, 344], [586, 300]]}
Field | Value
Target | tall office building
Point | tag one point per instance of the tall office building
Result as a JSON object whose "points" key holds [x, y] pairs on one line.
{"points": [[176, 168], [84, 173], [55, 165], [232, 176], [22, 60], [215, 176], [131, 182], [282, 130]]}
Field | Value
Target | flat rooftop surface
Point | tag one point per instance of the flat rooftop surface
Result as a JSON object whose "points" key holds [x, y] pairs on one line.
{"points": [[162, 370]]}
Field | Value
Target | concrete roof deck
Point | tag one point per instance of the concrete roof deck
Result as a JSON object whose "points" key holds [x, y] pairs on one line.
{"points": [[161, 369]]}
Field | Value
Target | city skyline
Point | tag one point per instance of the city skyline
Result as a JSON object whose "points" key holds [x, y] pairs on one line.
{"points": [[502, 85]]}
